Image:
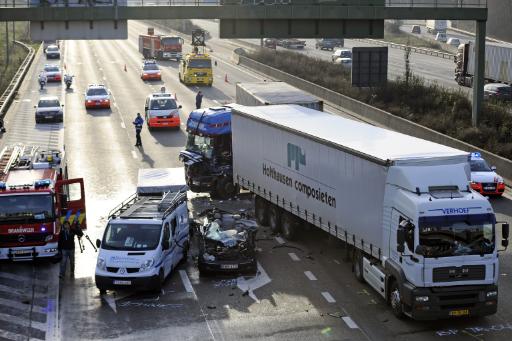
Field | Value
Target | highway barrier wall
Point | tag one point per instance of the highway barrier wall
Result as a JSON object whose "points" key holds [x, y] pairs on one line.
{"points": [[382, 117]]}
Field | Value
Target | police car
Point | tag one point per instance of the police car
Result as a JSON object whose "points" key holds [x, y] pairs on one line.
{"points": [[150, 70], [97, 96], [484, 178], [162, 111], [52, 72]]}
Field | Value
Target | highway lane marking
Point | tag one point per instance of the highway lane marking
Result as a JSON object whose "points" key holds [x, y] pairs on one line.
{"points": [[294, 257], [310, 275], [337, 262], [134, 154], [186, 282], [280, 240], [350, 323], [23, 322], [253, 283], [328, 297]]}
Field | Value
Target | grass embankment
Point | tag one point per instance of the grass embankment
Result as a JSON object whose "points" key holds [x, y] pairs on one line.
{"points": [[17, 53], [444, 110], [393, 34]]}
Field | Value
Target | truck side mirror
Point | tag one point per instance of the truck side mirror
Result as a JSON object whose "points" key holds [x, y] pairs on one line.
{"points": [[505, 230], [165, 244], [493, 168], [98, 243], [400, 240], [179, 107]]}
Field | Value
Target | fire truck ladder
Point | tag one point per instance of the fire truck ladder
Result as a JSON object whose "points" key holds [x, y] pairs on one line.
{"points": [[16, 156]]}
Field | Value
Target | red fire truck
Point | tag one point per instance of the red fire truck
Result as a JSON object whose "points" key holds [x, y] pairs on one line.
{"points": [[35, 199], [159, 46]]}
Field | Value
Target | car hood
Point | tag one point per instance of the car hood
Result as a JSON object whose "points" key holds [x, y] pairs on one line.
{"points": [[485, 177], [229, 231]]}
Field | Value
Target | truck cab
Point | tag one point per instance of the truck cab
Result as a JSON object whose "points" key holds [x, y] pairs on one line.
{"points": [[147, 235], [196, 69], [208, 153]]}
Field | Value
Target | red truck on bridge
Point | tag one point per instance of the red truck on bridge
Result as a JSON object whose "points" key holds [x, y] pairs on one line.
{"points": [[35, 199], [156, 46]]}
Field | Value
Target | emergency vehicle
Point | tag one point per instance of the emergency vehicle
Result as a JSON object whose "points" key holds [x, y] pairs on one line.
{"points": [[196, 68], [150, 70], [147, 235], [35, 199], [162, 111], [160, 46], [484, 179]]}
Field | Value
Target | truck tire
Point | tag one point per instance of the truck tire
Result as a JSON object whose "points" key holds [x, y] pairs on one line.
{"points": [[274, 218], [260, 207], [226, 188], [289, 226], [102, 291], [358, 267], [395, 300]]}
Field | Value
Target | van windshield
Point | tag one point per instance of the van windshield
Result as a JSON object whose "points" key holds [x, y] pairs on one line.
{"points": [[163, 104], [131, 237]]}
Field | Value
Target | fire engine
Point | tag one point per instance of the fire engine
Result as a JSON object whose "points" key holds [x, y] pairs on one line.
{"points": [[35, 199], [160, 46]]}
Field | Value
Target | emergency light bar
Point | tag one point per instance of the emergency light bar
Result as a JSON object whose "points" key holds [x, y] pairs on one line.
{"points": [[42, 183]]}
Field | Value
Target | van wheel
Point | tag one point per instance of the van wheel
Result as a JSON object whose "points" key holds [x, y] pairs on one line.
{"points": [[395, 300], [289, 226], [261, 211], [358, 267], [274, 218]]}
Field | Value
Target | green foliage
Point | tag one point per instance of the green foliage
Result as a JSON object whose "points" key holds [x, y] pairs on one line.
{"points": [[444, 110]]}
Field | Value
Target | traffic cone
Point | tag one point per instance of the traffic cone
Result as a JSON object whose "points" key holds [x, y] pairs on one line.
{"points": [[226, 78], [125, 68]]}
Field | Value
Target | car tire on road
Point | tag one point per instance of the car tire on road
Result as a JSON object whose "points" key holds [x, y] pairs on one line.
{"points": [[226, 188]]}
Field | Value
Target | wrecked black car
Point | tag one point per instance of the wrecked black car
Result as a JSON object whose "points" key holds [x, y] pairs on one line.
{"points": [[226, 243]]}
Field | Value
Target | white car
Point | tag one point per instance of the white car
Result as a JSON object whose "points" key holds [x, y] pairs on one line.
{"points": [[345, 62], [453, 41], [341, 53], [52, 72], [52, 51], [49, 109], [97, 96], [484, 178]]}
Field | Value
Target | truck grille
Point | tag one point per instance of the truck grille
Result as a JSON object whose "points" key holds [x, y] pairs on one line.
{"points": [[23, 238], [462, 273], [128, 270]]}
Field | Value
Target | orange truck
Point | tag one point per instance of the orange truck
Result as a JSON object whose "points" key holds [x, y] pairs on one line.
{"points": [[156, 46]]}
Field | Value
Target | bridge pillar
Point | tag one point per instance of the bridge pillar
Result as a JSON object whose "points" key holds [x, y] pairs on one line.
{"points": [[479, 72]]}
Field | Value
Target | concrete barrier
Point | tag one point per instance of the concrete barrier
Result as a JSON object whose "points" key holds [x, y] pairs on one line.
{"points": [[382, 117]]}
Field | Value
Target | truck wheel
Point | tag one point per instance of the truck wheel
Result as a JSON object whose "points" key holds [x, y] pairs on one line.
{"points": [[102, 291], [395, 300], [289, 226], [226, 188], [260, 206], [274, 218], [358, 267]]}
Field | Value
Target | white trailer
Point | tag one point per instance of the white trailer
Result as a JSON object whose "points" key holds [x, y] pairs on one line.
{"points": [[418, 234], [271, 93], [498, 66], [436, 26]]}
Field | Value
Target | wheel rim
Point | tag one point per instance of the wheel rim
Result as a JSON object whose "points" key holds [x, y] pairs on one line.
{"points": [[395, 299]]}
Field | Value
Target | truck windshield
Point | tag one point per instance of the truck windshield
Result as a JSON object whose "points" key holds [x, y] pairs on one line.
{"points": [[200, 64], [200, 144], [171, 41], [26, 208], [457, 235], [131, 236]]}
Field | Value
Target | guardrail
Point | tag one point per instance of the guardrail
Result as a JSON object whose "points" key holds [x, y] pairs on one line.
{"points": [[414, 49], [369, 3], [12, 88]]}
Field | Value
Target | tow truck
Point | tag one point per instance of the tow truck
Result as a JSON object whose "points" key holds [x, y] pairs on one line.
{"points": [[196, 67], [36, 197]]}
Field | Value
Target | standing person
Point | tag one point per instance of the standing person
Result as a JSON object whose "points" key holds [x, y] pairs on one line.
{"points": [[67, 246], [138, 128], [199, 100]]}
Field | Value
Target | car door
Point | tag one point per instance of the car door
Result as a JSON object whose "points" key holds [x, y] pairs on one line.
{"points": [[167, 254], [70, 200]]}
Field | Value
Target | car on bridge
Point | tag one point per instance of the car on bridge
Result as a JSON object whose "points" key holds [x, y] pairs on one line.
{"points": [[484, 179], [52, 51], [150, 70], [97, 96], [53, 73], [49, 109]]}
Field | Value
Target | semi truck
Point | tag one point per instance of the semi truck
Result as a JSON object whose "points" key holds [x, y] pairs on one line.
{"points": [[207, 155], [413, 227], [36, 197], [270, 93], [497, 64], [157, 46], [436, 26]]}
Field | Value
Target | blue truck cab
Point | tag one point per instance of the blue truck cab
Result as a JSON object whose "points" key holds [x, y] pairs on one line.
{"points": [[208, 154]]}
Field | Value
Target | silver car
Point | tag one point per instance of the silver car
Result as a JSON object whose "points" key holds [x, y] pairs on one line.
{"points": [[49, 109]]}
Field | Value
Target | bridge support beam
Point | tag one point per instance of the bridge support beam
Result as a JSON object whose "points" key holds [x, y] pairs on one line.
{"points": [[479, 72]]}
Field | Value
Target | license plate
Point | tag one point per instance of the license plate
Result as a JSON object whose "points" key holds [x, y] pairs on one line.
{"points": [[489, 188], [47, 117], [229, 266], [22, 252], [118, 282], [460, 312]]}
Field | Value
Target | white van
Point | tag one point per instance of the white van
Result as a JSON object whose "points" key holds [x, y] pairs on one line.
{"points": [[146, 236], [162, 111]]}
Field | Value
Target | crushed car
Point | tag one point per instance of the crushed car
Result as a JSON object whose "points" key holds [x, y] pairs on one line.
{"points": [[226, 243]]}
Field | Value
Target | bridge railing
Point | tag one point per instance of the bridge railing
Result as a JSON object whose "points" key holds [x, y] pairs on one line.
{"points": [[138, 3]]}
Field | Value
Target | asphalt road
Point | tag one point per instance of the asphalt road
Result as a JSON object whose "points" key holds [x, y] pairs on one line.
{"points": [[304, 290]]}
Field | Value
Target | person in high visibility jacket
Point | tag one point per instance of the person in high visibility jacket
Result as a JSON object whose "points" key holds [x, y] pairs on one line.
{"points": [[139, 121]]}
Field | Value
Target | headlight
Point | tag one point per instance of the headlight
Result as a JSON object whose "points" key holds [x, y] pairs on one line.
{"points": [[491, 294], [146, 264], [101, 264], [421, 299], [208, 257]]}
